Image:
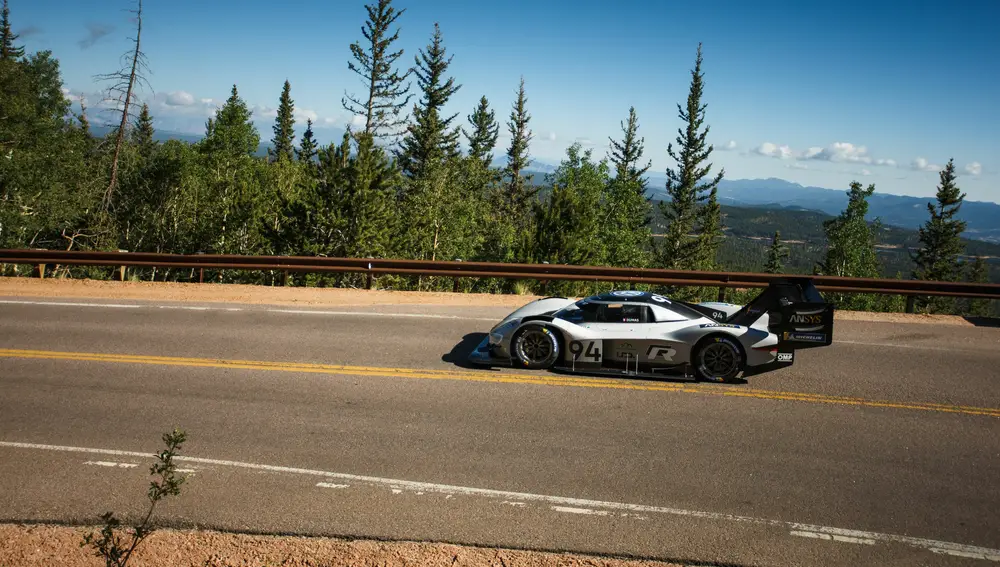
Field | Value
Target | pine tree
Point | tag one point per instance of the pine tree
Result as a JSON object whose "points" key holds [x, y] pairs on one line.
{"points": [[8, 51], [711, 232], [429, 139], [518, 157], [940, 236], [367, 204], [485, 131], [681, 213], [232, 132], [938, 257], [373, 63], [627, 154], [851, 247], [123, 93], [142, 134], [979, 273], [307, 147], [775, 254], [284, 125], [627, 211], [569, 224]]}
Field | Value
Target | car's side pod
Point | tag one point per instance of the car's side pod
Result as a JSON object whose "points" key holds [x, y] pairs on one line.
{"points": [[797, 313]]}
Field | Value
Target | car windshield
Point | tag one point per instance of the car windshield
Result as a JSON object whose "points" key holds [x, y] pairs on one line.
{"points": [[589, 311]]}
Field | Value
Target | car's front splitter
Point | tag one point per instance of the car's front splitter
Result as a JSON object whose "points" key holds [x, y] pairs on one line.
{"points": [[484, 355]]}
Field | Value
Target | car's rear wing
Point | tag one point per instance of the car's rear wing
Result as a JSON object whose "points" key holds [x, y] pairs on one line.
{"points": [[796, 312]]}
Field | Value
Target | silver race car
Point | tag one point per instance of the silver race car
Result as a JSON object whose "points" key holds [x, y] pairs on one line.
{"points": [[641, 334]]}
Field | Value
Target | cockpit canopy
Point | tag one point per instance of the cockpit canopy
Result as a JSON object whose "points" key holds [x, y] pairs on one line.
{"points": [[626, 307]]}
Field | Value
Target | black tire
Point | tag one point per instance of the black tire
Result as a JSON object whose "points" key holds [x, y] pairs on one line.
{"points": [[535, 347], [718, 358]]}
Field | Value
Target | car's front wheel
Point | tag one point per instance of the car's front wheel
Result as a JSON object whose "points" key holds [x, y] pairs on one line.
{"points": [[535, 347], [718, 359]]}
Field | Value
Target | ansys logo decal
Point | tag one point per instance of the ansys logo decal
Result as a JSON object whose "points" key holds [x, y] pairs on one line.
{"points": [[796, 318]]}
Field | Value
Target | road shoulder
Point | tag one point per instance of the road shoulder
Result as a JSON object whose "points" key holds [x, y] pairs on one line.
{"points": [[79, 289]]}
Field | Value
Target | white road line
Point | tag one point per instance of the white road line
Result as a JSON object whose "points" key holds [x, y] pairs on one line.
{"points": [[111, 464], [967, 554], [332, 485], [899, 345], [67, 304], [233, 309], [584, 511], [847, 539], [397, 485], [380, 314]]}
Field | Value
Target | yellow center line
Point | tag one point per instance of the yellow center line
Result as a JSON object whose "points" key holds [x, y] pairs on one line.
{"points": [[494, 377]]}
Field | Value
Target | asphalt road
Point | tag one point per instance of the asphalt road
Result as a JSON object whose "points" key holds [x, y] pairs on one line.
{"points": [[881, 449]]}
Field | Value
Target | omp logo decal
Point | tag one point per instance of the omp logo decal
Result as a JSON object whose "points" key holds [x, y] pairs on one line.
{"points": [[656, 351], [799, 318], [784, 357]]}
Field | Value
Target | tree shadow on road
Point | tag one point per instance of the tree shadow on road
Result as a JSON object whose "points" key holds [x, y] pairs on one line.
{"points": [[460, 353]]}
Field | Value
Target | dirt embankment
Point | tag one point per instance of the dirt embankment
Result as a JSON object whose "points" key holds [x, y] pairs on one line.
{"points": [[48, 546]]}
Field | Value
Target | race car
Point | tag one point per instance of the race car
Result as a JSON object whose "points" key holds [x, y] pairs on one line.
{"points": [[641, 334]]}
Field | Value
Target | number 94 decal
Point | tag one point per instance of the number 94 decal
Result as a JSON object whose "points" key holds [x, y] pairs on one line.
{"points": [[585, 350]]}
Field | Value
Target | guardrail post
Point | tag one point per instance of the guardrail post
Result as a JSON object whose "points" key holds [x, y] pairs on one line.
{"points": [[201, 272], [121, 269], [284, 278], [910, 300], [41, 271], [368, 284], [454, 285], [722, 295]]}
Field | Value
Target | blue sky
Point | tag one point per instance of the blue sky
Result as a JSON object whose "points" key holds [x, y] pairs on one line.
{"points": [[817, 93]]}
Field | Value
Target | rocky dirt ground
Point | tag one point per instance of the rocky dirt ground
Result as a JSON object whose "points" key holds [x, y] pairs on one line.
{"points": [[50, 546], [322, 297]]}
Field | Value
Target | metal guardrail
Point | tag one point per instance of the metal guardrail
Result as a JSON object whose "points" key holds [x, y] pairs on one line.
{"points": [[460, 269]]}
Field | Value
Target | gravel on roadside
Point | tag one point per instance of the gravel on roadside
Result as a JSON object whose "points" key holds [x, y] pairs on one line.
{"points": [[48, 545]]}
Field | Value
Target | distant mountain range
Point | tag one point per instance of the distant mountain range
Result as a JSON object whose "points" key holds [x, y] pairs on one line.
{"points": [[982, 217]]}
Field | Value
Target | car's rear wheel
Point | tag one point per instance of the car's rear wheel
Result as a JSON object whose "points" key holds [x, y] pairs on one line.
{"points": [[718, 359], [535, 347]]}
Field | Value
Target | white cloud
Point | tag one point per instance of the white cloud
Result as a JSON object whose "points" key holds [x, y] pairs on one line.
{"points": [[206, 101], [551, 137], [974, 168], [921, 164], [797, 165], [839, 152], [180, 98], [262, 111], [301, 115], [865, 172], [358, 120], [729, 146], [772, 150], [70, 96]]}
